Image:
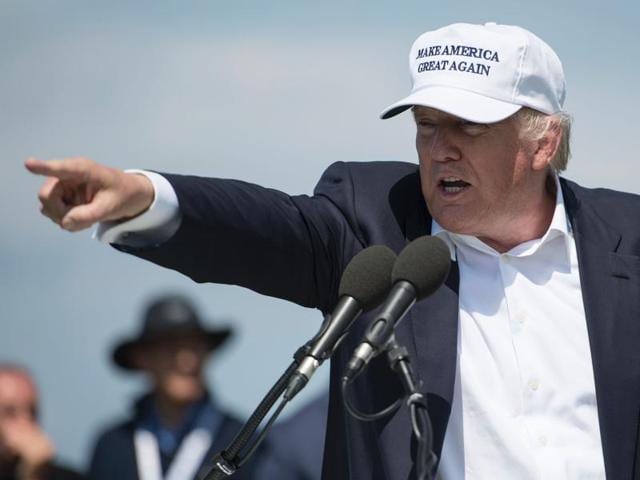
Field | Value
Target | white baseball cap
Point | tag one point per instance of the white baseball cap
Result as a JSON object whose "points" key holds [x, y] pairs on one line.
{"points": [[483, 73]]}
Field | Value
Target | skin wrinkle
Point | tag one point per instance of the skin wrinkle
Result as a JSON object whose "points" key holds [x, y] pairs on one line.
{"points": [[507, 202]]}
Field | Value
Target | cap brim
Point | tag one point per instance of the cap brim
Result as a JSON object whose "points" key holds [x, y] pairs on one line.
{"points": [[460, 103]]}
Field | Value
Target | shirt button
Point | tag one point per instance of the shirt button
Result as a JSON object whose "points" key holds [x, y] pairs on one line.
{"points": [[543, 441], [533, 384], [521, 317]]}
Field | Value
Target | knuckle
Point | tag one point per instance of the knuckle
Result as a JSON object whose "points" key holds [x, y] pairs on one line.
{"points": [[86, 162], [84, 167], [47, 187], [79, 162], [44, 194]]}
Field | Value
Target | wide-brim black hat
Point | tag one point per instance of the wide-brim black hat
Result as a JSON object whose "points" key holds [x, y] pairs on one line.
{"points": [[166, 318]]}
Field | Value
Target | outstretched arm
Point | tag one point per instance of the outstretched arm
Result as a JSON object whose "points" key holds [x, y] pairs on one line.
{"points": [[230, 231], [234, 232]]}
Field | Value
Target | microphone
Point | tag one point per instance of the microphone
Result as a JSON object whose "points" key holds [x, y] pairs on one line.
{"points": [[363, 285], [419, 271]]}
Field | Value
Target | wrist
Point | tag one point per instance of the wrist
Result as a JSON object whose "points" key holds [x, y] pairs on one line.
{"points": [[142, 195]]}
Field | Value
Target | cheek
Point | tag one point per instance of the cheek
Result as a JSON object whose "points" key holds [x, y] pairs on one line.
{"points": [[426, 185], [496, 167], [511, 173], [424, 163], [421, 147]]}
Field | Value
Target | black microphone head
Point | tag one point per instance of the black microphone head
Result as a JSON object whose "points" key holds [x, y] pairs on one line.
{"points": [[424, 263], [367, 277]]}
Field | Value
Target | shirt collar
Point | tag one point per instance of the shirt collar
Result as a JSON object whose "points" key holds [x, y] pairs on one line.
{"points": [[559, 226]]}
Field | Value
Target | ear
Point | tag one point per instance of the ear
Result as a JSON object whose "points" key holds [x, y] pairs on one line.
{"points": [[547, 146]]}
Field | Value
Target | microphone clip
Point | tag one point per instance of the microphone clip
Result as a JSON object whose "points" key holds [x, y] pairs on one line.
{"points": [[219, 468]]}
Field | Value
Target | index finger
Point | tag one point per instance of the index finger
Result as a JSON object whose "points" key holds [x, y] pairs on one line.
{"points": [[66, 169]]}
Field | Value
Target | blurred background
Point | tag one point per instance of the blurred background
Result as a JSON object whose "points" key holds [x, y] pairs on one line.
{"points": [[270, 92]]}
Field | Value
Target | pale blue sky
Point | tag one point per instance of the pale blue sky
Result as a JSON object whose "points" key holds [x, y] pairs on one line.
{"points": [[270, 92]]}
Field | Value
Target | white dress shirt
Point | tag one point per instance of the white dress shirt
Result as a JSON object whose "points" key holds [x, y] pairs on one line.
{"points": [[524, 403]]}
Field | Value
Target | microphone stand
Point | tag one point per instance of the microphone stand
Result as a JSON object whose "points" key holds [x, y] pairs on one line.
{"points": [[225, 463], [399, 361]]}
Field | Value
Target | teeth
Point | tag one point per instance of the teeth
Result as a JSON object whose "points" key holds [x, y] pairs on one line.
{"points": [[451, 179], [453, 189]]}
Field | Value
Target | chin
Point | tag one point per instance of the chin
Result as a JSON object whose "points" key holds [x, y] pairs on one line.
{"points": [[185, 392], [189, 399], [453, 222]]}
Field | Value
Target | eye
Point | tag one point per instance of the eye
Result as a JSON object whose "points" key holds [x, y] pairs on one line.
{"points": [[425, 125], [473, 129]]}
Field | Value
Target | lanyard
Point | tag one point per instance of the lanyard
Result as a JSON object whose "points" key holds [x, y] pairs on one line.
{"points": [[186, 462]]}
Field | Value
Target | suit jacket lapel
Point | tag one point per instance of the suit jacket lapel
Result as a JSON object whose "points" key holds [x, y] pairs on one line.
{"points": [[609, 282]]}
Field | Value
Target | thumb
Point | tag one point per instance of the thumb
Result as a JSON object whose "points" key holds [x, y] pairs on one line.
{"points": [[85, 215]]}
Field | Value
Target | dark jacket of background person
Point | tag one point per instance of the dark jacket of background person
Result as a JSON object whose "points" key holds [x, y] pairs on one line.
{"points": [[54, 472], [114, 453], [297, 247]]}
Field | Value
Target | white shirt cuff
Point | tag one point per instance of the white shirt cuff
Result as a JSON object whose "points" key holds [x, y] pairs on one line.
{"points": [[154, 226]]}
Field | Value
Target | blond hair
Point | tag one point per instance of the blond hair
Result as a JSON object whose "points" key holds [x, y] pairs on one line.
{"points": [[534, 125]]}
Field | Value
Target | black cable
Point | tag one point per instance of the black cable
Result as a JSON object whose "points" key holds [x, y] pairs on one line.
{"points": [[224, 464], [421, 424], [254, 421], [263, 433], [422, 455], [367, 417], [414, 423]]}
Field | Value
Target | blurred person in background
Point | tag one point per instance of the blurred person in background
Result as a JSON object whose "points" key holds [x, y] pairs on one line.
{"points": [[26, 453], [177, 425]]}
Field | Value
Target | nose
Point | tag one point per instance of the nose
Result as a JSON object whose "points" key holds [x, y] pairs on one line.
{"points": [[187, 359], [443, 145]]}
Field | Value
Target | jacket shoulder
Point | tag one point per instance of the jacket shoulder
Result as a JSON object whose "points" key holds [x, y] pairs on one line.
{"points": [[365, 174], [115, 431], [613, 206], [374, 197]]}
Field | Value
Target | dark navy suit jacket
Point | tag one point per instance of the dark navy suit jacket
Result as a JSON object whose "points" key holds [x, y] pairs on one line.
{"points": [[296, 248]]}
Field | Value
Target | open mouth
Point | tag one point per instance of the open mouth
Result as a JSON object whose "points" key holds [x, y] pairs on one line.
{"points": [[453, 185]]}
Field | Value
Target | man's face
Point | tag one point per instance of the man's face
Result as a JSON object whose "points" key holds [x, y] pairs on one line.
{"points": [[18, 403], [476, 178], [175, 366]]}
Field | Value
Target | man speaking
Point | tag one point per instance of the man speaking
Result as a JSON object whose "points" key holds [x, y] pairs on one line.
{"points": [[528, 353]]}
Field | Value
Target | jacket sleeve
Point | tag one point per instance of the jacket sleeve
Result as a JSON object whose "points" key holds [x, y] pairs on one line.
{"points": [[290, 247]]}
